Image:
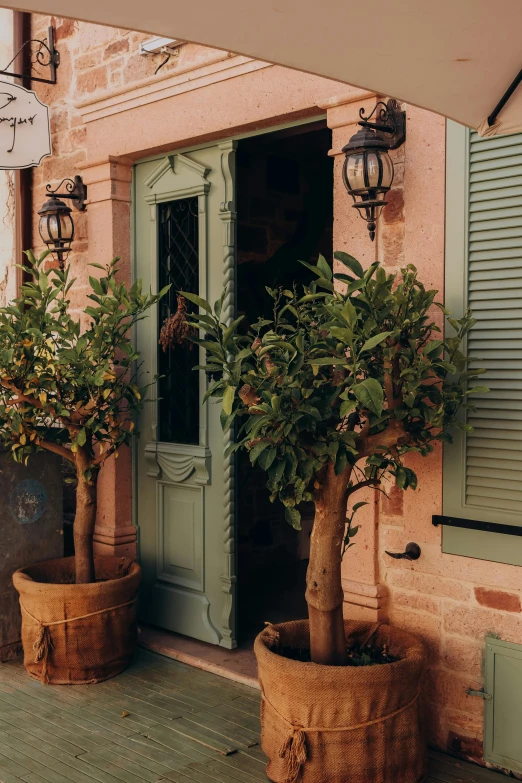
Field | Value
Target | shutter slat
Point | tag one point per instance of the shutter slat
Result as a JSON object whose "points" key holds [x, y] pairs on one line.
{"points": [[491, 442], [496, 503], [511, 468], [491, 240], [478, 144], [489, 222], [487, 202], [486, 188], [496, 273], [496, 165], [485, 439], [496, 283], [498, 292], [483, 426], [501, 458], [490, 402], [513, 316], [497, 212], [496, 175], [479, 154], [485, 481], [504, 254], [495, 338], [495, 477]]}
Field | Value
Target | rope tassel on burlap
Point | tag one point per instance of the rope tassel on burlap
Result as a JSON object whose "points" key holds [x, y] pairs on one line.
{"points": [[42, 646], [293, 750]]}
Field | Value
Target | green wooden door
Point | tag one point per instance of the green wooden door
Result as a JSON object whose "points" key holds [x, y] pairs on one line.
{"points": [[185, 235]]}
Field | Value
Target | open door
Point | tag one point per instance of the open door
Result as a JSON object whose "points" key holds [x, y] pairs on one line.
{"points": [[185, 235]]}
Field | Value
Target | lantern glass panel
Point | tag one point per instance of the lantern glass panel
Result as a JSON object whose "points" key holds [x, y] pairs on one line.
{"points": [[355, 171], [44, 230], [373, 169], [66, 228], [387, 170]]}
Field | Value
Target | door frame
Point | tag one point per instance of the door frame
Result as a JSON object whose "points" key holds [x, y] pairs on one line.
{"points": [[228, 215]]}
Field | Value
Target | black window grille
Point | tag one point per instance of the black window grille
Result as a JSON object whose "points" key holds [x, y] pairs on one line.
{"points": [[179, 406]]}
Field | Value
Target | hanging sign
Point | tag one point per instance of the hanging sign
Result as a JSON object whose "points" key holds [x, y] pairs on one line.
{"points": [[25, 133]]}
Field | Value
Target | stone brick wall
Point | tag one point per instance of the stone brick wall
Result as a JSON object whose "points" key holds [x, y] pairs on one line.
{"points": [[94, 60], [452, 602]]}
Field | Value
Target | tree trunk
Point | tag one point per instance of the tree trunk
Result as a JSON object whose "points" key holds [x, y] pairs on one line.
{"points": [[84, 521], [324, 592]]}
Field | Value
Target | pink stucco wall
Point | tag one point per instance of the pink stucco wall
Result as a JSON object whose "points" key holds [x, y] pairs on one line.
{"points": [[109, 110]]}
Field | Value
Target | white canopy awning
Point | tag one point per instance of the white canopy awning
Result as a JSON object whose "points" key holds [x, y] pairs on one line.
{"points": [[454, 57]]}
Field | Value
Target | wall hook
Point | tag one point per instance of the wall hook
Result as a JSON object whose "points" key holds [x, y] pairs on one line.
{"points": [[413, 552]]}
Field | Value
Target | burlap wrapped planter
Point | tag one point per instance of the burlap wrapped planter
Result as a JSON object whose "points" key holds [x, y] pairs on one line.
{"points": [[341, 724], [75, 634]]}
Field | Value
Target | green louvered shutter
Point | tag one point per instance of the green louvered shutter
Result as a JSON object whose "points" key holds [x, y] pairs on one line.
{"points": [[483, 470]]}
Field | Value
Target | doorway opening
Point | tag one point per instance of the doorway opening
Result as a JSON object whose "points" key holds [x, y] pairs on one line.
{"points": [[285, 214]]}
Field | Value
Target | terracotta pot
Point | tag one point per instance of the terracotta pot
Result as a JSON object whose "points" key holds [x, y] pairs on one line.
{"points": [[341, 724], [74, 634]]}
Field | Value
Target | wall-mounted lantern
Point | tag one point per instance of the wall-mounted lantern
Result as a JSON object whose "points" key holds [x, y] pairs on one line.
{"points": [[368, 169], [56, 225]]}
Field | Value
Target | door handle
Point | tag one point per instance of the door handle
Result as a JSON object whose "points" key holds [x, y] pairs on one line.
{"points": [[413, 552]]}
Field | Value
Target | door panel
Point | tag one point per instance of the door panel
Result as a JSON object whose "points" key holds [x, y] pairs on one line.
{"points": [[185, 235]]}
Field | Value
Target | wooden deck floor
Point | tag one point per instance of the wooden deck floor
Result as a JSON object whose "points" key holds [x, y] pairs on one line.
{"points": [[159, 721]]}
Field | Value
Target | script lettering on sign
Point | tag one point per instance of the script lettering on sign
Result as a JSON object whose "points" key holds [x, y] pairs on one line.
{"points": [[25, 135]]}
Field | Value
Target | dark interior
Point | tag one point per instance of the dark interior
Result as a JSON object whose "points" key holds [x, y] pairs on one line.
{"points": [[285, 214]]}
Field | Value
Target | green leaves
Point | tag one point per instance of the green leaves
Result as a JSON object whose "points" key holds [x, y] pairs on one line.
{"points": [[370, 394], [331, 376], [374, 341], [293, 517], [350, 262], [197, 300], [77, 375], [228, 399]]}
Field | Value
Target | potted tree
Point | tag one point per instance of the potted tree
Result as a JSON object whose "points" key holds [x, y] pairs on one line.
{"points": [[329, 396], [67, 386]]}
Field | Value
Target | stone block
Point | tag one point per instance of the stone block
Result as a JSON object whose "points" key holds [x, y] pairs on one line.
{"points": [[430, 584], [462, 723], [470, 747], [393, 212], [422, 624], [463, 655], [417, 601], [477, 622], [498, 599], [93, 80], [64, 28], [447, 689], [392, 503], [116, 47], [86, 61]]}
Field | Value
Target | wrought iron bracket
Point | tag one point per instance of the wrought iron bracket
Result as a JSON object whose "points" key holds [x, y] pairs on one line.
{"points": [[75, 191], [389, 119], [46, 56]]}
